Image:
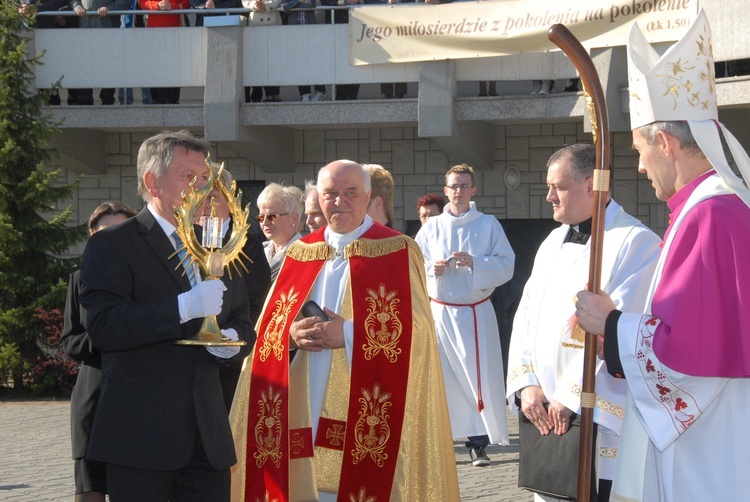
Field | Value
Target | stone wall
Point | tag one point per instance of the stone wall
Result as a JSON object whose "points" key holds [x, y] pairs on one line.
{"points": [[418, 166]]}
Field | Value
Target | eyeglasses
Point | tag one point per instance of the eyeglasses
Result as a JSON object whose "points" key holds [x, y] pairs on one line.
{"points": [[271, 217], [462, 186]]}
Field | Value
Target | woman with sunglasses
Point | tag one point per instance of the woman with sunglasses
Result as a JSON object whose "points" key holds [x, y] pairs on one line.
{"points": [[279, 209]]}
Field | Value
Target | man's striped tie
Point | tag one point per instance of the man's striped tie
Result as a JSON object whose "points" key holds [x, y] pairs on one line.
{"points": [[181, 253]]}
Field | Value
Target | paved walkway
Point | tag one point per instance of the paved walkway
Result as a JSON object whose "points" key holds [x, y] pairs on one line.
{"points": [[35, 463]]}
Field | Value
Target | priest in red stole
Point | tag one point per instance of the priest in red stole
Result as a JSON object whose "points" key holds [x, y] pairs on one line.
{"points": [[352, 408]]}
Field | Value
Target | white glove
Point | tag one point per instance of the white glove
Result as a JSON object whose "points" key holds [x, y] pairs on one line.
{"points": [[226, 352], [203, 300]]}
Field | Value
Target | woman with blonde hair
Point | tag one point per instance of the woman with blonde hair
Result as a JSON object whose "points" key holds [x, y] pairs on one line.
{"points": [[280, 208]]}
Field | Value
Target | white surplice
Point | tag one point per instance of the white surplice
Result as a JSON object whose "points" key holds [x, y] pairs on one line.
{"points": [[546, 351], [483, 238]]}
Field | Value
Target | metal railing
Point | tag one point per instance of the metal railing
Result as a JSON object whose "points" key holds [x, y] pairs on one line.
{"points": [[226, 11]]}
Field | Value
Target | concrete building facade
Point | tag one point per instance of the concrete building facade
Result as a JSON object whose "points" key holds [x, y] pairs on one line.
{"points": [[441, 122]]}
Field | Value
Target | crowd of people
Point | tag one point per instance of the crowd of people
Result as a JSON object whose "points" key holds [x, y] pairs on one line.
{"points": [[367, 352], [261, 13]]}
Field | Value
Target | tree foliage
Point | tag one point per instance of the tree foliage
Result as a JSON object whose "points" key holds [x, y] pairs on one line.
{"points": [[34, 234]]}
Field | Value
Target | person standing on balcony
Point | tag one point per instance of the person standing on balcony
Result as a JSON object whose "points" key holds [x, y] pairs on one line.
{"points": [[101, 20], [164, 95], [263, 13], [543, 87], [344, 92], [44, 22], [297, 17], [467, 255], [208, 5], [484, 85], [391, 90]]}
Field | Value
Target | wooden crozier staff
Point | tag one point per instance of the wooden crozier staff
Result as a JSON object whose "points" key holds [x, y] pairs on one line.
{"points": [[565, 40]]}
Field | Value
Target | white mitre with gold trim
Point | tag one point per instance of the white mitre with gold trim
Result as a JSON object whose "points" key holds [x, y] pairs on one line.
{"points": [[680, 86]]}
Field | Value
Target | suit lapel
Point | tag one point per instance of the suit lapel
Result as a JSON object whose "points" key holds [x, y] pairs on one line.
{"points": [[157, 240]]}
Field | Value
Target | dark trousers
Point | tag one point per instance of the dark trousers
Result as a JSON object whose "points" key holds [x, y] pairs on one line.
{"points": [[255, 94], [347, 92], [396, 90], [474, 441], [196, 482], [86, 96], [165, 95]]}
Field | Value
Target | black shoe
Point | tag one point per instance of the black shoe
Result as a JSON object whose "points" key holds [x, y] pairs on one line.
{"points": [[478, 457], [571, 85]]}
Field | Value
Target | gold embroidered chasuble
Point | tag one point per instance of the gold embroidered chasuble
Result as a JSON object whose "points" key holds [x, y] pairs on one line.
{"points": [[424, 467]]}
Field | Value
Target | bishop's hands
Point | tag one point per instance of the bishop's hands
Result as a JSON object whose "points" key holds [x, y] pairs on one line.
{"points": [[592, 311], [312, 334], [555, 419]]}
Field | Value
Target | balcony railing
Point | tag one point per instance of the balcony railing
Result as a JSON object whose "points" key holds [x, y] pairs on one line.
{"points": [[269, 55]]}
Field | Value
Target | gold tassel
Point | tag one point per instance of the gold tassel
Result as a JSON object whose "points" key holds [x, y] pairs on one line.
{"points": [[370, 248], [304, 252]]}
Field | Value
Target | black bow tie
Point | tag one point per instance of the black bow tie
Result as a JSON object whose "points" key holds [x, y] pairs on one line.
{"points": [[580, 236]]}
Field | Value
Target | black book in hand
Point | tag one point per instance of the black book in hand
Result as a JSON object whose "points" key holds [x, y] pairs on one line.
{"points": [[312, 309]]}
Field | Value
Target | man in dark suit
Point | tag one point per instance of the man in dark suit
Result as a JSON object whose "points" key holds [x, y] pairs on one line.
{"points": [[161, 425]]}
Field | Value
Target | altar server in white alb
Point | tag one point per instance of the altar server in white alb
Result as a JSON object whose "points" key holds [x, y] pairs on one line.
{"points": [[687, 359], [467, 255], [545, 364]]}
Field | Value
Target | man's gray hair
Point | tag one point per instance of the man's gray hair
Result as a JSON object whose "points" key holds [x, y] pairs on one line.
{"points": [[580, 160], [680, 130], [365, 173], [310, 186], [155, 154]]}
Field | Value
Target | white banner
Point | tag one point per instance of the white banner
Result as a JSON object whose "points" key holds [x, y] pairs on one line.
{"points": [[403, 33]]}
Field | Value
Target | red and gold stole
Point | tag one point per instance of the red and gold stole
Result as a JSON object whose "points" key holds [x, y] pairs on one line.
{"points": [[381, 304], [382, 318], [267, 462]]}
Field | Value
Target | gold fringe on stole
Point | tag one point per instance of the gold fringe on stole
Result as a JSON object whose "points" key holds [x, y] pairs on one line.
{"points": [[335, 407], [426, 468], [302, 251], [301, 470], [373, 248], [238, 423]]}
